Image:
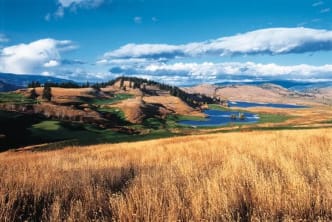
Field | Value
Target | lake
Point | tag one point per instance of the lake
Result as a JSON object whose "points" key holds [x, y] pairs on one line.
{"points": [[273, 105], [220, 118]]}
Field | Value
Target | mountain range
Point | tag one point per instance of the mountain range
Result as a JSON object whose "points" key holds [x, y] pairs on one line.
{"points": [[9, 81]]}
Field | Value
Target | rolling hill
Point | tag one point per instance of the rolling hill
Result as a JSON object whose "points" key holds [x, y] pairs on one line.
{"points": [[104, 112], [265, 93]]}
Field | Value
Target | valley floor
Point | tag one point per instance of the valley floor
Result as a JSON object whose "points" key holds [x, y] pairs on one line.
{"points": [[241, 176]]}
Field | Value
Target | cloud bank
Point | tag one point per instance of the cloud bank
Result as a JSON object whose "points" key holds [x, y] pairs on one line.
{"points": [[218, 72], [34, 57], [271, 41]]}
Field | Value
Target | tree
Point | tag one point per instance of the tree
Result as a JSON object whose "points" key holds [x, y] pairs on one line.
{"points": [[47, 93], [34, 84], [121, 82], [96, 87], [33, 94]]}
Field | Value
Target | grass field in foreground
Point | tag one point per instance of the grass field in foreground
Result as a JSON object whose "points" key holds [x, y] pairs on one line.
{"points": [[252, 176]]}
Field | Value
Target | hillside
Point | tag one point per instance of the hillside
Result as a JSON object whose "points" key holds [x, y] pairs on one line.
{"points": [[5, 87], [323, 94], [132, 109], [119, 110], [265, 93], [252, 176]]}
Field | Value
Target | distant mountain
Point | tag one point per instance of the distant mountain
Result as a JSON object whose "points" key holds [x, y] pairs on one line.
{"points": [[288, 84], [22, 81], [263, 92], [5, 87]]}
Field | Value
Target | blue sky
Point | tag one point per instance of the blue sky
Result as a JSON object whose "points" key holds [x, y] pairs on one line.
{"points": [[175, 41]]}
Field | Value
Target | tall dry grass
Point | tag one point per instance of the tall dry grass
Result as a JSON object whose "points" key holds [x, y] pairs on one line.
{"points": [[256, 176]]}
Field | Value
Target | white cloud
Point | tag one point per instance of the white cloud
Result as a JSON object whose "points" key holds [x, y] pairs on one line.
{"points": [[33, 57], [52, 63], [216, 72], [270, 41], [236, 68], [80, 3], [48, 17], [60, 12], [325, 10], [73, 5], [138, 20], [318, 3], [3, 38]]}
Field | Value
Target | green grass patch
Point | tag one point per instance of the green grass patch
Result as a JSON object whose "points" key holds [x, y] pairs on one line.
{"points": [[264, 117], [172, 121], [106, 101], [47, 125], [273, 118], [15, 98], [154, 123], [113, 110], [218, 107], [327, 122], [85, 134]]}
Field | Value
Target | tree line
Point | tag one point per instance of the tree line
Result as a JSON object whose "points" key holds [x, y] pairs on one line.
{"points": [[35, 84], [193, 100]]}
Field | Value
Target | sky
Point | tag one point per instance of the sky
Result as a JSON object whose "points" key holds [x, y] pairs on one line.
{"points": [[178, 42]]}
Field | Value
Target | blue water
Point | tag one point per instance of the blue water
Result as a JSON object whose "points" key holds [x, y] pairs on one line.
{"points": [[220, 118], [273, 105]]}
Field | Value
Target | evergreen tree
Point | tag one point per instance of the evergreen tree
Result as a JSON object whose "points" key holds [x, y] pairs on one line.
{"points": [[121, 82], [47, 92], [33, 94]]}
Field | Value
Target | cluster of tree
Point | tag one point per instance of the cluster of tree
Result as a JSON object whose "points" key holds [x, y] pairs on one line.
{"points": [[241, 116], [68, 84], [34, 84], [193, 100], [47, 93]]}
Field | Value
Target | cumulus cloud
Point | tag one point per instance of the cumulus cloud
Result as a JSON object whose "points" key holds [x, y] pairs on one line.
{"points": [[33, 57], [214, 72], [272, 41]]}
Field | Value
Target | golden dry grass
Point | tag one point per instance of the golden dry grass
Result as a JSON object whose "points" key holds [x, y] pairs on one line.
{"points": [[256, 176], [68, 92], [173, 103]]}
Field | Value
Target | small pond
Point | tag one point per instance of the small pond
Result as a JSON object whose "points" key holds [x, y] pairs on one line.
{"points": [[273, 105], [221, 118]]}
